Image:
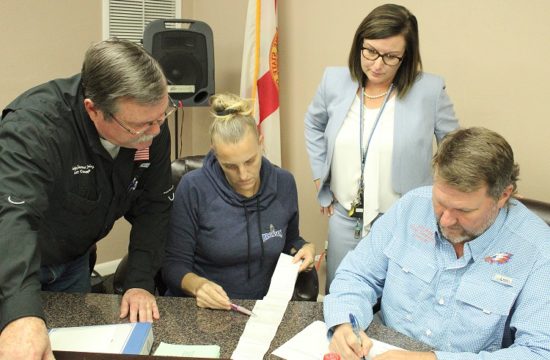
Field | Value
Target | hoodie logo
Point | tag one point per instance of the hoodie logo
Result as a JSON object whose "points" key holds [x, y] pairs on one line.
{"points": [[272, 233]]}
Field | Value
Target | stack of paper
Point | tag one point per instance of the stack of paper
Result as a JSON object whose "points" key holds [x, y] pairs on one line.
{"points": [[260, 329], [134, 338]]}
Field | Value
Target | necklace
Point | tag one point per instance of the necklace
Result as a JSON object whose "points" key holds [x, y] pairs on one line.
{"points": [[372, 97]]}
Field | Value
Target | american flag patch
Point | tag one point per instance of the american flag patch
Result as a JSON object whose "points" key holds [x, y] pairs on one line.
{"points": [[500, 258], [142, 155]]}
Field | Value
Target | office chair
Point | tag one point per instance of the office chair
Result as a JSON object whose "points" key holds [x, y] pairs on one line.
{"points": [[541, 208], [307, 283]]}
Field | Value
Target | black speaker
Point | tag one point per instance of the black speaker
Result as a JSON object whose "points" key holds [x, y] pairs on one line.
{"points": [[186, 56]]}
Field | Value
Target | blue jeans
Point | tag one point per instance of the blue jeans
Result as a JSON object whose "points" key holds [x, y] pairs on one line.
{"points": [[73, 276]]}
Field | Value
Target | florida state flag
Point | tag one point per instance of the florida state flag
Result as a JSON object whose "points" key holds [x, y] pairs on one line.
{"points": [[260, 72]]}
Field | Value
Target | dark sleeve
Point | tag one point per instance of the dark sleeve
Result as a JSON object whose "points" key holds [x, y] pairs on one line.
{"points": [[149, 216], [26, 180], [293, 238], [182, 235]]}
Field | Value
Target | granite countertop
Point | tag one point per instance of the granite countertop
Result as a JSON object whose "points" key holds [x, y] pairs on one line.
{"points": [[182, 322]]}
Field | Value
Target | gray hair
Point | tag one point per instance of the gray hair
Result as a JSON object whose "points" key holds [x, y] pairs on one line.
{"points": [[470, 158], [232, 118], [115, 69]]}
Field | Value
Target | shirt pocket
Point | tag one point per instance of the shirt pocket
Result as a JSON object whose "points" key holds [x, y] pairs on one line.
{"points": [[77, 221], [408, 281], [79, 205], [482, 308]]}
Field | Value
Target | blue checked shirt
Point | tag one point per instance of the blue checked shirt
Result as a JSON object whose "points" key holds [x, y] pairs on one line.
{"points": [[458, 306]]}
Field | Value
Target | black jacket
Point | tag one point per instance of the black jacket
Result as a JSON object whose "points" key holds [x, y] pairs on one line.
{"points": [[61, 191]]}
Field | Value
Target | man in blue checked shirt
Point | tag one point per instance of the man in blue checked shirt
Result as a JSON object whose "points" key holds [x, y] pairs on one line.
{"points": [[452, 263]]}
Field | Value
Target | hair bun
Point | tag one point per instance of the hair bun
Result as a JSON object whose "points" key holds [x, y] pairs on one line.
{"points": [[225, 112]]}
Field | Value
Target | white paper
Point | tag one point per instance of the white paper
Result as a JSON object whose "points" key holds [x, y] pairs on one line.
{"points": [[199, 351], [312, 344], [261, 329]]}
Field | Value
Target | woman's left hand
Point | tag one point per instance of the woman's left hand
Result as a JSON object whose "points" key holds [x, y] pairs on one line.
{"points": [[307, 254]]}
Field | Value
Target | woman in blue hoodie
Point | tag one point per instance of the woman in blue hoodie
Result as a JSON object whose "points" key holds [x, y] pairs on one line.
{"points": [[232, 218]]}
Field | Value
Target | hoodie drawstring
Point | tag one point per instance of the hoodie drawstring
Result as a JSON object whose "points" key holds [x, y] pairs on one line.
{"points": [[247, 239], [260, 230], [259, 233]]}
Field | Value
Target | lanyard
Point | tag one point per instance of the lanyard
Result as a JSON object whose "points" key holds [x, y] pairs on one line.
{"points": [[363, 152]]}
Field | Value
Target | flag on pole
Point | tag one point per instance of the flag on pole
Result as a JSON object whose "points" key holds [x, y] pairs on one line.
{"points": [[260, 72]]}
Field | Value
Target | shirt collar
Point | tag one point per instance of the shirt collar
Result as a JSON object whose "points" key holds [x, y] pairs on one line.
{"points": [[479, 245]]}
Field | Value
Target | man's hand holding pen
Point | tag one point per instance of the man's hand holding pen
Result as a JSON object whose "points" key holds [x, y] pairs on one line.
{"points": [[346, 343], [354, 344]]}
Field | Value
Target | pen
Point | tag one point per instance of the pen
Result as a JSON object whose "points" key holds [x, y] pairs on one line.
{"points": [[241, 309], [356, 329]]}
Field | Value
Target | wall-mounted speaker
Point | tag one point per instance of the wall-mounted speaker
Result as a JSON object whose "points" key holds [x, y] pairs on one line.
{"points": [[185, 50]]}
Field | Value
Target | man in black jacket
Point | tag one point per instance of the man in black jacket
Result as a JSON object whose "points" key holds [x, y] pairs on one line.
{"points": [[76, 154]]}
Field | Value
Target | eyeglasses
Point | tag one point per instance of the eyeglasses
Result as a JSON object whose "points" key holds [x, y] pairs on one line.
{"points": [[172, 107], [388, 59]]}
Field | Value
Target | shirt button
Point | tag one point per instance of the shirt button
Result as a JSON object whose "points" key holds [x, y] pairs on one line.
{"points": [[441, 301], [428, 332], [409, 317]]}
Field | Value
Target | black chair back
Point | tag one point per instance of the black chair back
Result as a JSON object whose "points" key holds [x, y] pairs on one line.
{"points": [[183, 165]]}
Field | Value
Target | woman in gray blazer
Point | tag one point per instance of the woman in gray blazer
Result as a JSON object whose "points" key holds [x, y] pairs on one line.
{"points": [[370, 127]]}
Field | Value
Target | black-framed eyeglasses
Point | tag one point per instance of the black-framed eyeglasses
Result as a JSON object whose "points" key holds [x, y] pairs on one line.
{"points": [[388, 59], [172, 107]]}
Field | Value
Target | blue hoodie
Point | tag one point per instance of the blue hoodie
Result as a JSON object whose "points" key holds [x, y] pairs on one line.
{"points": [[226, 237]]}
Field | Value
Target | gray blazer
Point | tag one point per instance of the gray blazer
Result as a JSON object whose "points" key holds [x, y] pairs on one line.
{"points": [[425, 111]]}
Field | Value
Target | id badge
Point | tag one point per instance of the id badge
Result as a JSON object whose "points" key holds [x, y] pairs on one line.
{"points": [[356, 210]]}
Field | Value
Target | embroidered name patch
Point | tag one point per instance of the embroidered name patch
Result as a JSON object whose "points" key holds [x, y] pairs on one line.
{"points": [[82, 169], [501, 279]]}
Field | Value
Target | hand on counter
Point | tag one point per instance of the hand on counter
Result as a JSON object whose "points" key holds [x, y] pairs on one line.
{"points": [[25, 338], [140, 304]]}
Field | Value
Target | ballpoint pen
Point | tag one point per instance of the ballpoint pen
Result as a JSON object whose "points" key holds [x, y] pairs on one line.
{"points": [[241, 309], [356, 330]]}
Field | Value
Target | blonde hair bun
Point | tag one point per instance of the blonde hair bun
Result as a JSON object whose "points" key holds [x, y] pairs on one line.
{"points": [[233, 115]]}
